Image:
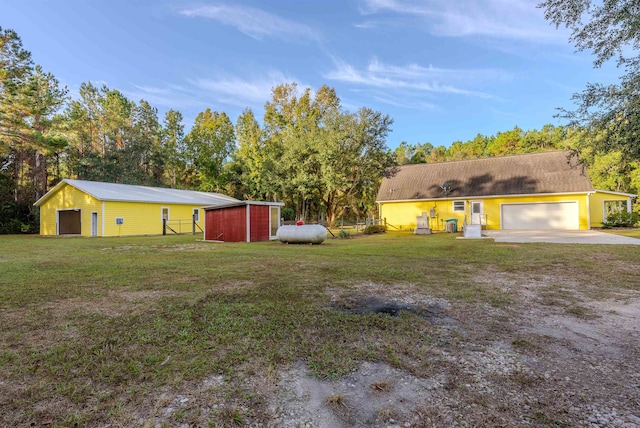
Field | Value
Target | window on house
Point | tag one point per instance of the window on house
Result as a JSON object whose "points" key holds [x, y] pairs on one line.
{"points": [[196, 214], [458, 206], [165, 213]]}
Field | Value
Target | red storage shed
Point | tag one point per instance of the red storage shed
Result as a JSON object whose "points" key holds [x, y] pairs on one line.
{"points": [[244, 221]]}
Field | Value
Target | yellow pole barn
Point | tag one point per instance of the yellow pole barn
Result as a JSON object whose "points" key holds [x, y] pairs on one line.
{"points": [[90, 208]]}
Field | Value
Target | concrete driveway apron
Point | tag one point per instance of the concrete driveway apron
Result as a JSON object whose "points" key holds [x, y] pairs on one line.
{"points": [[560, 237]]}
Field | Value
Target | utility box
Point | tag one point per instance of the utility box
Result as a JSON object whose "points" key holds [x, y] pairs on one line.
{"points": [[452, 225], [422, 225]]}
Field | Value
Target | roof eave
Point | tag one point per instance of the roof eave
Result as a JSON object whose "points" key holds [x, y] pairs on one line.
{"points": [[244, 203], [53, 191], [520, 195], [610, 192]]}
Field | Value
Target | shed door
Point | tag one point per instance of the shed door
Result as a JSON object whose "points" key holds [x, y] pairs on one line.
{"points": [[94, 224], [69, 222], [540, 216]]}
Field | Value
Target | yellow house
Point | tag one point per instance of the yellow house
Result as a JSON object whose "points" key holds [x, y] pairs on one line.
{"points": [[89, 208], [530, 192]]}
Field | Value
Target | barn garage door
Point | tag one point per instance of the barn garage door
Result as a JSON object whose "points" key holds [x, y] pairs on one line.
{"points": [[539, 216], [69, 222]]}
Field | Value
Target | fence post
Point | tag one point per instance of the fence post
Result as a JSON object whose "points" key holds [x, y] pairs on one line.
{"points": [[193, 224], [164, 226]]}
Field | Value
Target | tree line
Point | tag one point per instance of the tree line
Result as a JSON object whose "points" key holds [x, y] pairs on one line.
{"points": [[308, 152]]}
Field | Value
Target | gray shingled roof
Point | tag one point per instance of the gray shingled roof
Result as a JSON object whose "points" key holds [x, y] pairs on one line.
{"points": [[549, 172], [132, 193]]}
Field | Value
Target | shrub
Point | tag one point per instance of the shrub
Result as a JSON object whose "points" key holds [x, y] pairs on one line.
{"points": [[623, 219], [343, 234], [375, 228], [288, 213]]}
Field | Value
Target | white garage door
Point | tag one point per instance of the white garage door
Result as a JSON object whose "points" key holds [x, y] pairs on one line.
{"points": [[538, 216]]}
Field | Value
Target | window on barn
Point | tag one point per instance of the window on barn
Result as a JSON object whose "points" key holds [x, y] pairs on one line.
{"points": [[165, 213], [196, 215], [458, 206], [274, 221]]}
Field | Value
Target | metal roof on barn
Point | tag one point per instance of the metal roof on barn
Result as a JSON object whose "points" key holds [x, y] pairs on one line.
{"points": [[132, 193], [244, 203], [538, 173]]}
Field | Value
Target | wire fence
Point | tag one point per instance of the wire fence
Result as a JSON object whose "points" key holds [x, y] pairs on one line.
{"points": [[180, 226], [353, 225]]}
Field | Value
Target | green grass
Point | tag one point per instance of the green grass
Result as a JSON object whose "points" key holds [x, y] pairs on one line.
{"points": [[95, 325], [632, 233]]}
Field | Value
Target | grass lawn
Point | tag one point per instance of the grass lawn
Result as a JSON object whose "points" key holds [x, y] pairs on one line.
{"points": [[95, 331], [632, 233]]}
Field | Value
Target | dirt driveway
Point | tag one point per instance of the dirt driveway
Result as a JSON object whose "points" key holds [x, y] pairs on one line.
{"points": [[560, 237]]}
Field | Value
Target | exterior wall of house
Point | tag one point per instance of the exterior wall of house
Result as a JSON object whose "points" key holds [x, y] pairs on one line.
{"points": [[402, 215], [146, 218], [138, 218], [597, 206], [69, 198]]}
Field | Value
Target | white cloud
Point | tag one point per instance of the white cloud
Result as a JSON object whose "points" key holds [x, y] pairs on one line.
{"points": [[368, 25], [220, 90], [501, 19], [253, 22], [167, 95], [415, 71], [410, 78], [405, 103], [242, 92]]}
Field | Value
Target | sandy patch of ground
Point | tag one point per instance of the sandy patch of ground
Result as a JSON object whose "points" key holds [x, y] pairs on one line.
{"points": [[563, 361]]}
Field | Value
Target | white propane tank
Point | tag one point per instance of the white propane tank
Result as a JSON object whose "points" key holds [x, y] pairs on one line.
{"points": [[305, 234]]}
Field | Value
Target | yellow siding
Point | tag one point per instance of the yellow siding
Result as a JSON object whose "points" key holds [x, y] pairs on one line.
{"points": [[596, 206], [67, 198], [139, 218], [403, 214], [146, 218]]}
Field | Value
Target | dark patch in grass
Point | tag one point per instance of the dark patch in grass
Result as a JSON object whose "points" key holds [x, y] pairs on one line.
{"points": [[373, 305]]}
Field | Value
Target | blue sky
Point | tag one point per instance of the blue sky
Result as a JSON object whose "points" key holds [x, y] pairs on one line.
{"points": [[444, 70]]}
